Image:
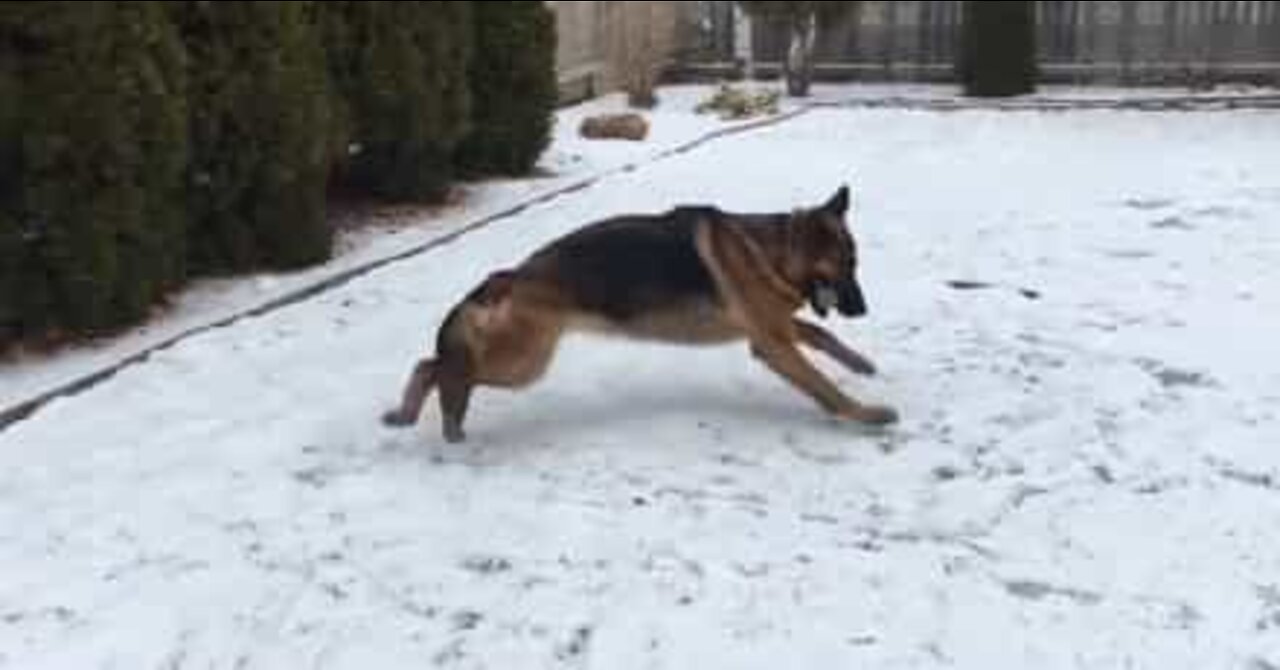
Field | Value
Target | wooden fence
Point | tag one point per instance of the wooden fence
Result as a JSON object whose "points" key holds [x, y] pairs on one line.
{"points": [[1081, 41], [581, 61]]}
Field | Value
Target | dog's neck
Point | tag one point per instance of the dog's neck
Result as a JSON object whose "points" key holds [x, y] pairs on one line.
{"points": [[773, 243]]}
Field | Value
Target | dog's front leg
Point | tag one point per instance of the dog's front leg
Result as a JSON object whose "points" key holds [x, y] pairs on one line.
{"points": [[823, 340], [785, 360]]}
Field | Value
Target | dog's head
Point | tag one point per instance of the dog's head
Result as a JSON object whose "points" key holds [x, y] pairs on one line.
{"points": [[825, 257]]}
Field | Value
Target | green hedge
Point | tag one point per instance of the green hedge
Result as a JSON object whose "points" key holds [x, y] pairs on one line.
{"points": [[92, 148], [145, 142], [998, 54], [513, 87], [400, 72], [11, 247], [259, 124]]}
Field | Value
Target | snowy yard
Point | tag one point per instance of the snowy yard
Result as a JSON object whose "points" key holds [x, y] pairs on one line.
{"points": [[1087, 474]]}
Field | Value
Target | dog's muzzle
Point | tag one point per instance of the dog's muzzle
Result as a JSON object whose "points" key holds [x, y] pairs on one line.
{"points": [[845, 296]]}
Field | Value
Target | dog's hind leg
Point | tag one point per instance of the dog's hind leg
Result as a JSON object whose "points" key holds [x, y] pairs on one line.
{"points": [[456, 386], [415, 394], [823, 340]]}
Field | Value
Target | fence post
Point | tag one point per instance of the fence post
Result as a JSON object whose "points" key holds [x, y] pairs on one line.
{"points": [[1257, 13], [924, 39], [1234, 19], [1272, 29], [1128, 25], [1046, 27], [743, 49], [1068, 31], [1090, 38], [1059, 28], [1170, 21], [954, 24], [1217, 33], [889, 47]]}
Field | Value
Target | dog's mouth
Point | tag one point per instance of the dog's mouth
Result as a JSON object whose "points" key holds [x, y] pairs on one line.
{"points": [[823, 298], [844, 296]]}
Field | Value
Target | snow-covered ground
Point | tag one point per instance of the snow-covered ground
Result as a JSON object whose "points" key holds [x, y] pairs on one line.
{"points": [[1087, 474]]}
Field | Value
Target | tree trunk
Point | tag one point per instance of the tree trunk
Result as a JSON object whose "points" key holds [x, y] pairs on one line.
{"points": [[798, 67], [744, 49]]}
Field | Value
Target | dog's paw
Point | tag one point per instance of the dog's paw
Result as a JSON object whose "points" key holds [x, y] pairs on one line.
{"points": [[877, 415], [865, 367], [397, 419]]}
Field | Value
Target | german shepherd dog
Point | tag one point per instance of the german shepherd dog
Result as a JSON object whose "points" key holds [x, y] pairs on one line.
{"points": [[695, 275]]}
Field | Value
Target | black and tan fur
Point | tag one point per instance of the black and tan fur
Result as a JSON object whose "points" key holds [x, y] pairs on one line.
{"points": [[695, 275]]}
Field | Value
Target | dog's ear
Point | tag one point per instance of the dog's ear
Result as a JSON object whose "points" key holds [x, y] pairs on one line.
{"points": [[839, 203]]}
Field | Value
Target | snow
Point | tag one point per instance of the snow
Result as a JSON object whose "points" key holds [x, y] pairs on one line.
{"points": [[1086, 475]]}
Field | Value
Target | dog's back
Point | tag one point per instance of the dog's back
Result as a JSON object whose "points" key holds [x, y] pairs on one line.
{"points": [[629, 268]]}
